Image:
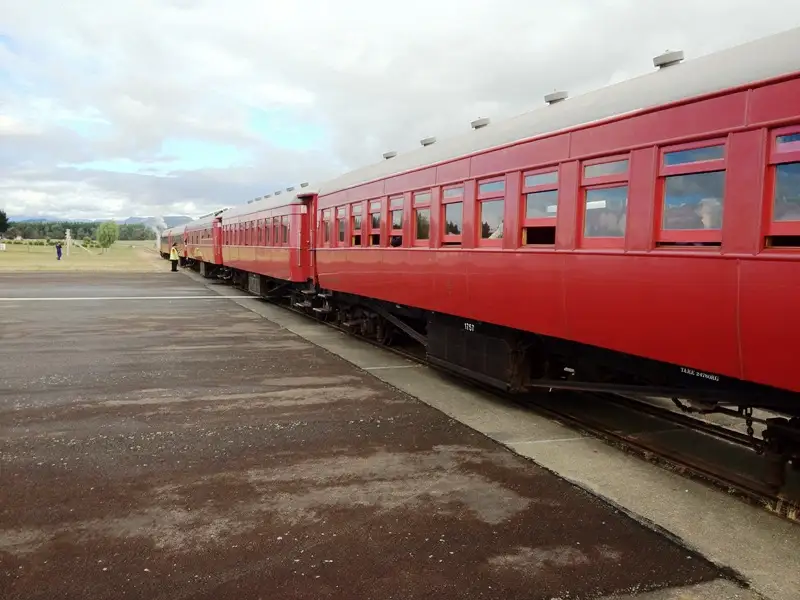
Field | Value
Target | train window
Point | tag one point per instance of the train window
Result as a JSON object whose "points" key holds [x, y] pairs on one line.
{"points": [[422, 223], [691, 194], [783, 222], [453, 218], [396, 217], [605, 212], [340, 222], [540, 201], [421, 198], [326, 226], [490, 212], [694, 155], [276, 240], [452, 215], [375, 223], [492, 187], [786, 197], [788, 143], [356, 224], [285, 230], [604, 169], [541, 179], [541, 205], [693, 201], [453, 192], [492, 219]]}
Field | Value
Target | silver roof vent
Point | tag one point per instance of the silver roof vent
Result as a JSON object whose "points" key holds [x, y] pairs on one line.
{"points": [[479, 123], [428, 141], [290, 189], [304, 184], [556, 97], [668, 59], [390, 154]]}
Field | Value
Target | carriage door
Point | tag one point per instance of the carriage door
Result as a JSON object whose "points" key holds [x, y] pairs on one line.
{"points": [[216, 240]]}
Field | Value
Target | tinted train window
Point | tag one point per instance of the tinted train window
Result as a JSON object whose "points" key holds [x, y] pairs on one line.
{"points": [[541, 179], [788, 143], [453, 192], [694, 201], [605, 212], [616, 167], [423, 223], [492, 219], [786, 206], [683, 157], [539, 205], [492, 187], [397, 219], [422, 197], [453, 214]]}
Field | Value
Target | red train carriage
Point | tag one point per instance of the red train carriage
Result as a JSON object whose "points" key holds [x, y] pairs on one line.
{"points": [[204, 243], [174, 235], [266, 244], [645, 236]]}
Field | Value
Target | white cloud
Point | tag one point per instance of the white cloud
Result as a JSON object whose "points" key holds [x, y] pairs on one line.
{"points": [[370, 76]]}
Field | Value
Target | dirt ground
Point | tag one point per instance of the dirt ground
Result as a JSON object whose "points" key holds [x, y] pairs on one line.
{"points": [[184, 447]]}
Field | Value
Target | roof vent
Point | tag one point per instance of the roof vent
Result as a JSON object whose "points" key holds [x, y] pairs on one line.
{"points": [[479, 123], [304, 184], [556, 97], [668, 59], [267, 196], [428, 141], [278, 192], [290, 189], [388, 155]]}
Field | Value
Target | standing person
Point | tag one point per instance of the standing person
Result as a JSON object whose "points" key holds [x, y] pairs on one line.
{"points": [[58, 250], [173, 257]]}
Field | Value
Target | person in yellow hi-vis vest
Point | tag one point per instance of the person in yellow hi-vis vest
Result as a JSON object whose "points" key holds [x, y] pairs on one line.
{"points": [[173, 257]]}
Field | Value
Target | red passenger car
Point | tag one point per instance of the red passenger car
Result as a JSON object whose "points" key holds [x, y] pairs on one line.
{"points": [[204, 242], [642, 239], [644, 234], [266, 243]]}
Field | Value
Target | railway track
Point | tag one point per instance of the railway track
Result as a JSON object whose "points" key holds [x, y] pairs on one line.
{"points": [[726, 444]]}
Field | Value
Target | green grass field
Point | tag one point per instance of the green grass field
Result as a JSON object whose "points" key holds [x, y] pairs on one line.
{"points": [[122, 256]]}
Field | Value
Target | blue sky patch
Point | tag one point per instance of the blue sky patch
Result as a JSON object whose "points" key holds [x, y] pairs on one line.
{"points": [[176, 155], [282, 130]]}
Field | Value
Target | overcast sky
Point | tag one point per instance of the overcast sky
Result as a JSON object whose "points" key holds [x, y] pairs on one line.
{"points": [[163, 107]]}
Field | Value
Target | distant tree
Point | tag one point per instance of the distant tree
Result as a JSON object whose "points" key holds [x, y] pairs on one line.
{"points": [[107, 234], [3, 221]]}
